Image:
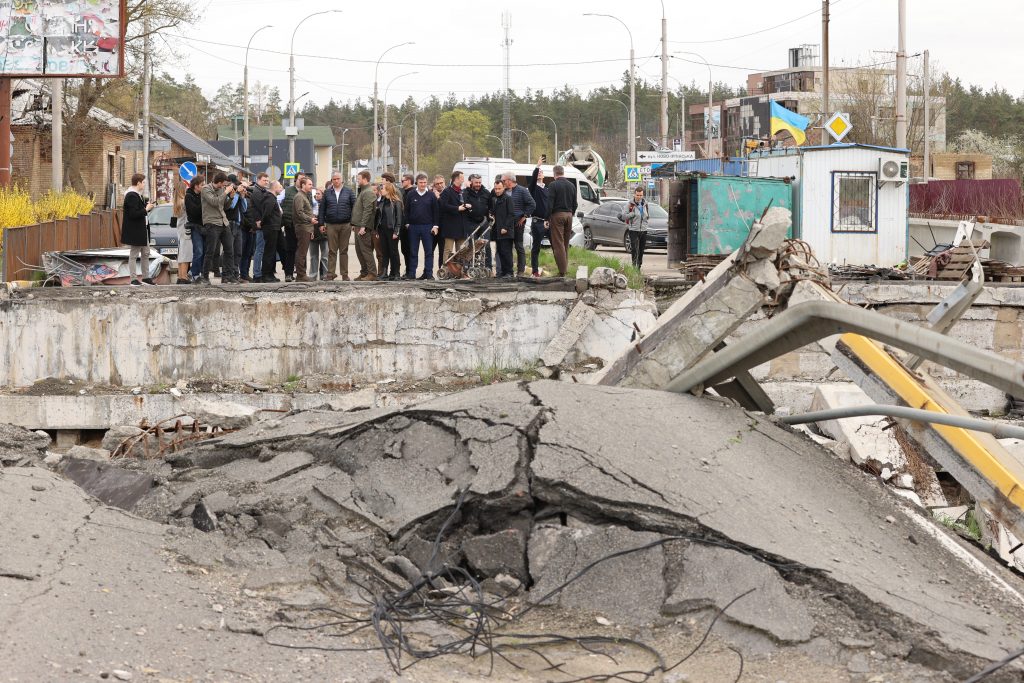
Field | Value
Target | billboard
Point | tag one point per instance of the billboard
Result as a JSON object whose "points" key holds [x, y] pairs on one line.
{"points": [[62, 38]]}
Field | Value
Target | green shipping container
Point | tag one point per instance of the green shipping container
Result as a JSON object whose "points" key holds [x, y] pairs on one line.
{"points": [[722, 209]]}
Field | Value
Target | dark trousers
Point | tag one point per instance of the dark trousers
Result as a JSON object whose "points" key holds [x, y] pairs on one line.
{"points": [[245, 257], [438, 246], [214, 235], [520, 249], [238, 237], [403, 238], [505, 265], [301, 253], [196, 268], [539, 232], [389, 250], [637, 244], [271, 237], [420, 234], [286, 250]]}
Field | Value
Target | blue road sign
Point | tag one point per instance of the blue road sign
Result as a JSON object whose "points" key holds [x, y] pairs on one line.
{"points": [[291, 169], [188, 171], [632, 174]]}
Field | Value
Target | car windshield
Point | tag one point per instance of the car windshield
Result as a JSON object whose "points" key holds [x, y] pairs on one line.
{"points": [[160, 215], [657, 211]]}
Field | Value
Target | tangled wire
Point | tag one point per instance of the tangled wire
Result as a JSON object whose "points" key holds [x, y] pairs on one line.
{"points": [[453, 597]]}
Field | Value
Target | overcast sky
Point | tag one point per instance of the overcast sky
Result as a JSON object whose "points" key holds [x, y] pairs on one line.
{"points": [[458, 45]]}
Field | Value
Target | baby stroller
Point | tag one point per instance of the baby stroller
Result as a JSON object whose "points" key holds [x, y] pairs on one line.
{"points": [[469, 259]]}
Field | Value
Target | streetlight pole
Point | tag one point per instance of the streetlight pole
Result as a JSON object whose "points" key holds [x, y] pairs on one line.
{"points": [[707, 125], [500, 141], [386, 88], [632, 86], [664, 77], [400, 125], [245, 92], [529, 144], [453, 142], [623, 105], [553, 123], [341, 164], [376, 136], [291, 82]]}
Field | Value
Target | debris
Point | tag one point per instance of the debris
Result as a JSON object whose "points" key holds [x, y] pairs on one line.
{"points": [[18, 445], [221, 414], [121, 675], [203, 519], [868, 437], [175, 391], [109, 483], [126, 441], [602, 277], [86, 453], [582, 279], [500, 553], [579, 319]]}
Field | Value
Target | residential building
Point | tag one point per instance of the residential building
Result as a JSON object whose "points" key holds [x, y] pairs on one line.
{"points": [[319, 160], [956, 166], [185, 146]]}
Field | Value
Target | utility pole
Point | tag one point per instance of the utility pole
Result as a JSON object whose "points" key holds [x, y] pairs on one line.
{"points": [[147, 67], [664, 93], [506, 107], [5, 132], [415, 144], [926, 88], [824, 70], [57, 132], [901, 78], [245, 95]]}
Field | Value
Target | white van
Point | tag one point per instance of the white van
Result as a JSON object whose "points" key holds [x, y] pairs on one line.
{"points": [[489, 168]]}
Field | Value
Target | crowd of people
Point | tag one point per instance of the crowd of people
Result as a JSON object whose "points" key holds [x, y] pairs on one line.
{"points": [[399, 228]]}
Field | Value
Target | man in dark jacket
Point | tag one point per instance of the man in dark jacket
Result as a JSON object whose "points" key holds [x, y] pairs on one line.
{"points": [[421, 217], [287, 247], [523, 207], [562, 204], [539, 225], [408, 185], [504, 228], [268, 221], [336, 215], [477, 199], [453, 216]]}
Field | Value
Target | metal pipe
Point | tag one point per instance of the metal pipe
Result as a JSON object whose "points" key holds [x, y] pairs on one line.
{"points": [[814, 320], [1000, 431]]}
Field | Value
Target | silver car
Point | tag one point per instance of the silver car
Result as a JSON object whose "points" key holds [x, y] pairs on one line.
{"points": [[161, 234], [603, 226]]}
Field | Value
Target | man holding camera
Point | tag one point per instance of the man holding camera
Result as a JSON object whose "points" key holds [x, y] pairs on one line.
{"points": [[539, 225], [216, 198]]}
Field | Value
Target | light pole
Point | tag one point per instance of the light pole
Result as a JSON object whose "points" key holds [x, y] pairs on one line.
{"points": [[623, 105], [376, 137], [341, 164], [386, 88], [291, 82], [245, 92], [529, 144], [632, 86], [456, 143], [400, 125], [542, 116], [707, 124], [500, 141]]}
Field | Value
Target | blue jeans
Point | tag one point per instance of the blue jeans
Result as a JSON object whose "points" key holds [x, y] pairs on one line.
{"points": [[198, 252], [420, 234], [257, 256]]}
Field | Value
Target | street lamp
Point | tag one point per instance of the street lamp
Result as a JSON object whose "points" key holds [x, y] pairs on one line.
{"points": [[542, 116], [707, 124], [341, 164], [245, 91], [529, 143], [500, 141], [400, 125], [460, 147], [386, 88], [291, 81], [632, 86], [623, 105], [376, 137]]}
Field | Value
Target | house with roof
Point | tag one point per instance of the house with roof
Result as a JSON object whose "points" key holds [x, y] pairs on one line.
{"points": [[186, 146], [314, 147], [105, 169]]}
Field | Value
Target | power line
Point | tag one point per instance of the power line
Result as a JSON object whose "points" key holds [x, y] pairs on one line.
{"points": [[752, 33]]}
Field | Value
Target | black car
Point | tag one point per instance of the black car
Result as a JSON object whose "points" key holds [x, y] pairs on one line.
{"points": [[603, 226], [161, 235]]}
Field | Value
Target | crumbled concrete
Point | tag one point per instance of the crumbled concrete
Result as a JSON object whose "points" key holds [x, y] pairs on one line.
{"points": [[503, 552], [568, 335], [223, 414], [86, 453], [869, 438], [602, 277], [116, 438], [110, 484], [18, 444], [769, 233]]}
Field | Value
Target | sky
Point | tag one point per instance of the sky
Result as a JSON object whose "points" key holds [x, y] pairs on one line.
{"points": [[458, 47]]}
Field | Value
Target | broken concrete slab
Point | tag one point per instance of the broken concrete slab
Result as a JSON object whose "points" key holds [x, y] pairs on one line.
{"points": [[768, 234], [602, 276], [109, 483], [18, 444], [712, 577], [503, 552], [86, 453], [869, 438], [580, 318], [127, 441], [223, 414]]}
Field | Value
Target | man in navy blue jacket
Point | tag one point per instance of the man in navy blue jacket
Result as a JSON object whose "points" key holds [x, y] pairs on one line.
{"points": [[539, 226], [523, 207], [336, 214], [421, 215]]}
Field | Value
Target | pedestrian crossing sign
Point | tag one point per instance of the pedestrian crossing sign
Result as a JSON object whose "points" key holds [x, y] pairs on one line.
{"points": [[291, 169], [633, 174]]}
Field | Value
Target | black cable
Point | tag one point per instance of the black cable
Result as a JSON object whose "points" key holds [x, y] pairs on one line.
{"points": [[982, 675]]}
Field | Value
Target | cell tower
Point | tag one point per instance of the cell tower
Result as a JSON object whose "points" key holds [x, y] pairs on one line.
{"points": [[506, 114]]}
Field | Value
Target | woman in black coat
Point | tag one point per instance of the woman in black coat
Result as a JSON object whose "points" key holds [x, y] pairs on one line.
{"points": [[135, 229]]}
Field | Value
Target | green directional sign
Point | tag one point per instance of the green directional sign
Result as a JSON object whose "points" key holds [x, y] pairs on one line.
{"points": [[291, 169]]}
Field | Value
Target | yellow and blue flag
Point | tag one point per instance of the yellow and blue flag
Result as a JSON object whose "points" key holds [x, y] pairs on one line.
{"points": [[791, 122]]}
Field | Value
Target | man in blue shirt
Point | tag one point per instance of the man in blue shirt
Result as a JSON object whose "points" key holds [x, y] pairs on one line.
{"points": [[523, 207]]}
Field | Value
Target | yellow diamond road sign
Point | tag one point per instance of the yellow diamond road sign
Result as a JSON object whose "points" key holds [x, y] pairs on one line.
{"points": [[839, 126]]}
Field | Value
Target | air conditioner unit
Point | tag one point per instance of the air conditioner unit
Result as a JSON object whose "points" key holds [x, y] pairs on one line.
{"points": [[890, 171]]}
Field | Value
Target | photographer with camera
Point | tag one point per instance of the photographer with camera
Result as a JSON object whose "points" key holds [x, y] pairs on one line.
{"points": [[135, 228], [217, 197], [539, 228]]}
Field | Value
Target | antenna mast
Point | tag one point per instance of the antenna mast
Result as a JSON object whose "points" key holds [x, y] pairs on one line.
{"points": [[506, 119]]}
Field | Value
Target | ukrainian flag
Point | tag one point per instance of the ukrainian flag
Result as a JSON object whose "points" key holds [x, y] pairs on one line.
{"points": [[792, 123]]}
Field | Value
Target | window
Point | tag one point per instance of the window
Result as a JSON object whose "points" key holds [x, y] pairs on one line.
{"points": [[965, 170], [587, 193], [854, 200], [120, 172]]}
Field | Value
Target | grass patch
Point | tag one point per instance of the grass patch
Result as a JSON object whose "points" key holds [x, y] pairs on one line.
{"points": [[493, 373], [579, 256], [965, 525]]}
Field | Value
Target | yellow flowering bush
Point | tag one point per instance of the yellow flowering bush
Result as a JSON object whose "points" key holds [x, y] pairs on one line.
{"points": [[17, 207]]}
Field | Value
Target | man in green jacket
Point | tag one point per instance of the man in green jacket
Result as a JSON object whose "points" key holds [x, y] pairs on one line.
{"points": [[362, 226], [289, 246], [303, 219]]}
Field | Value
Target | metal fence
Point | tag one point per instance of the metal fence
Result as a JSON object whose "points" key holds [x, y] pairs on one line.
{"points": [[22, 249], [999, 199]]}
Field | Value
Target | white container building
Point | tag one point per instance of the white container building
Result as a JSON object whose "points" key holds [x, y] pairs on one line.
{"points": [[850, 202]]}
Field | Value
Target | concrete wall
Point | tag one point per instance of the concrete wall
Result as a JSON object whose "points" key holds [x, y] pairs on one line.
{"points": [[994, 323], [117, 337]]}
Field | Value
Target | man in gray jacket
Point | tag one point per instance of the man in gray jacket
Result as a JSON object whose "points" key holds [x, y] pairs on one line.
{"points": [[216, 197], [362, 226], [637, 216]]}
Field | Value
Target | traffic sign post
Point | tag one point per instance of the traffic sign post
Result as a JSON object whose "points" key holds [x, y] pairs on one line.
{"points": [[838, 126], [188, 171], [632, 173], [664, 157], [291, 169], [273, 173]]}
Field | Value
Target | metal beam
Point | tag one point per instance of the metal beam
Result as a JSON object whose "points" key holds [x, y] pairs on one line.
{"points": [[814, 320], [996, 429]]}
